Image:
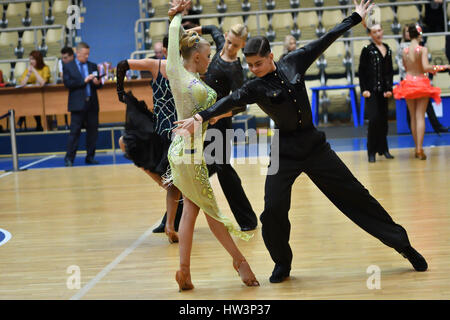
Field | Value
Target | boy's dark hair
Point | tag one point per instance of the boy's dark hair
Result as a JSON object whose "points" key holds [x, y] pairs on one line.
{"points": [[67, 50], [166, 42], [258, 45]]}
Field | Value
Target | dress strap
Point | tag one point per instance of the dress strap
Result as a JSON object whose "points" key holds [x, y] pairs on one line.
{"points": [[159, 66]]}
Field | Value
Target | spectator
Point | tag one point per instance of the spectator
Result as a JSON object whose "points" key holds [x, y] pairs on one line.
{"points": [[36, 73], [80, 77], [67, 55], [376, 77], [158, 49], [434, 17], [2, 84], [290, 44]]}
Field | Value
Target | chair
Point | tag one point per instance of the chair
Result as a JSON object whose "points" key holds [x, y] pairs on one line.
{"points": [[330, 18], [16, 10], [407, 14], [228, 22], [28, 38], [60, 6], [281, 20], [54, 35], [307, 19], [253, 25], [158, 30], [440, 80], [387, 14], [19, 70], [277, 51], [6, 70], [334, 56]]}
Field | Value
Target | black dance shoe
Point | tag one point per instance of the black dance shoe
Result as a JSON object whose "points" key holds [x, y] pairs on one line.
{"points": [[419, 263], [248, 228], [371, 158], [442, 129], [160, 228], [279, 274], [388, 155], [91, 161], [68, 163]]}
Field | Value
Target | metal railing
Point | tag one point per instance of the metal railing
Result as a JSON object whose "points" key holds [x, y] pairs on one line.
{"points": [[12, 124]]}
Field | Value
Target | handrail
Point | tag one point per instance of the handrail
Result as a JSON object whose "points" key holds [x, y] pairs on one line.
{"points": [[19, 1], [275, 11], [16, 29]]}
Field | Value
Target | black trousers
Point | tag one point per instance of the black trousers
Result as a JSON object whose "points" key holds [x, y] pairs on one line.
{"points": [[377, 111], [89, 118], [229, 179], [309, 152]]}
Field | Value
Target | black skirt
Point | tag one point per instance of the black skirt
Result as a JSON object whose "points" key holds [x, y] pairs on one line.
{"points": [[146, 148]]}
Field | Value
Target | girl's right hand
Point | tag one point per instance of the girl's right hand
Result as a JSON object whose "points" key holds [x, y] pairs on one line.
{"points": [[178, 6]]}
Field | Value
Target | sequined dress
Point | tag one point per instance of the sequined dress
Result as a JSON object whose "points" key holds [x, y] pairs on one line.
{"points": [[188, 170]]}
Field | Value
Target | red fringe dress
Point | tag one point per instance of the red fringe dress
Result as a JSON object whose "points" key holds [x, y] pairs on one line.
{"points": [[415, 87]]}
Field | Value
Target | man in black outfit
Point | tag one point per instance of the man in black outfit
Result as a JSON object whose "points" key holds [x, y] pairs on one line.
{"points": [[80, 76], [376, 76], [225, 76], [279, 90]]}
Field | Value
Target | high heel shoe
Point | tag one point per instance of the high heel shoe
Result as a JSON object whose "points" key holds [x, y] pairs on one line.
{"points": [[171, 235], [184, 281], [421, 155], [240, 267]]}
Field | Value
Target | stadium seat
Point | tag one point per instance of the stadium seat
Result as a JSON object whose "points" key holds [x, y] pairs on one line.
{"points": [[158, 30], [282, 20], [228, 22], [19, 69], [28, 38], [6, 70], [307, 19], [407, 14], [60, 6], [440, 80], [330, 18]]}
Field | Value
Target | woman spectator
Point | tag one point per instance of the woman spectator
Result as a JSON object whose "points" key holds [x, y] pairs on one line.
{"points": [[36, 73]]}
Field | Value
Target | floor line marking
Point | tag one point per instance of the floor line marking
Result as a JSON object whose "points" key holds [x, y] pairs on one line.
{"points": [[113, 264]]}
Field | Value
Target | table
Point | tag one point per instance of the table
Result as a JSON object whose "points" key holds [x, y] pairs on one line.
{"points": [[52, 100]]}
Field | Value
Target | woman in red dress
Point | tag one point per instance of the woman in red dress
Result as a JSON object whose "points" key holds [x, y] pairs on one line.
{"points": [[416, 88]]}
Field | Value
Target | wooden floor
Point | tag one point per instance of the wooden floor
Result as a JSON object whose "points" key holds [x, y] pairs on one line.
{"points": [[100, 218]]}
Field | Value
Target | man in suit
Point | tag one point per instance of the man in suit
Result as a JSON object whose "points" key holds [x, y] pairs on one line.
{"points": [[80, 77]]}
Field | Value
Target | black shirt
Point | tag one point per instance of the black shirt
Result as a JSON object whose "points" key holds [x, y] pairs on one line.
{"points": [[223, 76], [375, 71], [282, 93]]}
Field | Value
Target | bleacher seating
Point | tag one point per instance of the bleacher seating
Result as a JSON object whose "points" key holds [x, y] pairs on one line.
{"points": [[24, 17]]}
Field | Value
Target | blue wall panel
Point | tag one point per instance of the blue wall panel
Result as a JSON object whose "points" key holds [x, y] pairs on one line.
{"points": [[108, 28]]}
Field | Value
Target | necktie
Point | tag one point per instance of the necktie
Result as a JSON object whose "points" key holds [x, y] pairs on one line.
{"points": [[84, 75]]}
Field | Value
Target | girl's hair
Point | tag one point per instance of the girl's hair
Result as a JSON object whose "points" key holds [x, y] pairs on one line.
{"points": [[414, 31], [191, 42], [287, 41], [239, 30], [37, 55]]}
